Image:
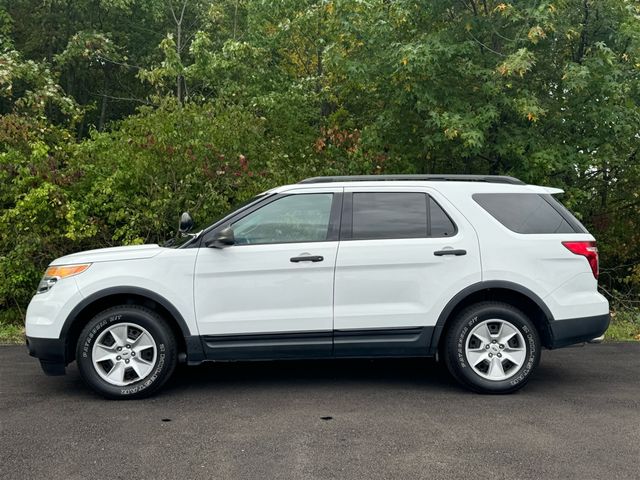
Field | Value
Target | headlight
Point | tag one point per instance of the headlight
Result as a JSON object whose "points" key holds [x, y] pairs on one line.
{"points": [[55, 273]]}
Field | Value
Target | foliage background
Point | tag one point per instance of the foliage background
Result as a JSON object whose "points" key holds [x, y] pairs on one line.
{"points": [[116, 115]]}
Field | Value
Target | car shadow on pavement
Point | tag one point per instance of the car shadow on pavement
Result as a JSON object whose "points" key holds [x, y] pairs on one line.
{"points": [[418, 372], [424, 374]]}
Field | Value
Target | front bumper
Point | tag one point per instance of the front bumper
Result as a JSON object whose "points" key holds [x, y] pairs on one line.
{"points": [[577, 330], [50, 352]]}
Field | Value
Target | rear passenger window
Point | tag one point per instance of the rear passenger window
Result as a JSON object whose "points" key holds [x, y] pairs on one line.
{"points": [[525, 212], [389, 215], [398, 215]]}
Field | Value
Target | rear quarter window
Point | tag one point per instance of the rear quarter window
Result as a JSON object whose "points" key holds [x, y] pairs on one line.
{"points": [[529, 213], [440, 225]]}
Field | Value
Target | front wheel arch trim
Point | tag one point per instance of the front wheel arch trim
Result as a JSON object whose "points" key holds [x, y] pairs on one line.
{"points": [[195, 353]]}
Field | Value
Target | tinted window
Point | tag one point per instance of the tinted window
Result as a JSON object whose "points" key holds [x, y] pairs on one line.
{"points": [[568, 216], [524, 212], [441, 224], [389, 215], [295, 218]]}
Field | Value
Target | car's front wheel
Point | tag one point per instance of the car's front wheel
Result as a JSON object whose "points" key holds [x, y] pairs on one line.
{"points": [[492, 347], [127, 351]]}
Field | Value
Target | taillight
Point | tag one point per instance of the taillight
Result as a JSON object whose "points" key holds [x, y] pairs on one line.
{"points": [[588, 250]]}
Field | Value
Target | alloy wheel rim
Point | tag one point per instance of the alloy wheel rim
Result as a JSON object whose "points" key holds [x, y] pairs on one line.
{"points": [[123, 354], [495, 349]]}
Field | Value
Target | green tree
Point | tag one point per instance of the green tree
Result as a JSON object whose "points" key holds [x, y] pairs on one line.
{"points": [[115, 115]]}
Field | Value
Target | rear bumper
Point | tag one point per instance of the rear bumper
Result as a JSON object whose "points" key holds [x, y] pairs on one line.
{"points": [[50, 352], [577, 330]]}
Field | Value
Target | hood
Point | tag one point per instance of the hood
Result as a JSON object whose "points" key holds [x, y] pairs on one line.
{"points": [[110, 254]]}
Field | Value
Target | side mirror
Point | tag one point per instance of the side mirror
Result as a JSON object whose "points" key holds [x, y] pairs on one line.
{"points": [[186, 223], [224, 238]]}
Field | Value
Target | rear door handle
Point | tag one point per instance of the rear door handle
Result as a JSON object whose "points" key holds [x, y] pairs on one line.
{"points": [[457, 253], [307, 258]]}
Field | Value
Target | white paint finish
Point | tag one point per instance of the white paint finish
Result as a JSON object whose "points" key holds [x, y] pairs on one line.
{"points": [[256, 288], [47, 311], [111, 254], [552, 190], [400, 282], [169, 274], [577, 297]]}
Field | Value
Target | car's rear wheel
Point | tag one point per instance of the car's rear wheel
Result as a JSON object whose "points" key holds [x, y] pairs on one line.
{"points": [[492, 347], [127, 351]]}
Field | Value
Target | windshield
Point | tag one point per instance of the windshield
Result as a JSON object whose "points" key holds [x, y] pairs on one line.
{"points": [[183, 241]]}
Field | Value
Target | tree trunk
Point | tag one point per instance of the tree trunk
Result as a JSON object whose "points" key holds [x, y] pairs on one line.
{"points": [[178, 49], [103, 108], [583, 34], [325, 107], [235, 20]]}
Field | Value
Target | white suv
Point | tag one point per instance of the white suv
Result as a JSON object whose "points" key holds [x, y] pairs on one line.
{"points": [[483, 271]]}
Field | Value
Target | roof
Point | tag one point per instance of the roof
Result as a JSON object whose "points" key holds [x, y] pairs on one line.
{"points": [[451, 183], [424, 178]]}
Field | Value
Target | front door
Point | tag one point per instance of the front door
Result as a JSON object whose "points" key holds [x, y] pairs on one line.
{"points": [[270, 294]]}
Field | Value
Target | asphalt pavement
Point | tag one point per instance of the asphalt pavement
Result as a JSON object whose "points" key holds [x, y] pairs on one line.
{"points": [[579, 417]]}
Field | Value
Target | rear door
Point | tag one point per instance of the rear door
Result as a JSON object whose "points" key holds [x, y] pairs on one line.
{"points": [[404, 252]]}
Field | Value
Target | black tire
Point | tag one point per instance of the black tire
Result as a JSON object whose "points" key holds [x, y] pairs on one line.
{"points": [[155, 325], [458, 334]]}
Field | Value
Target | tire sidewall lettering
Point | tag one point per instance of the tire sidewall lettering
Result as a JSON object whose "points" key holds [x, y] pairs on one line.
{"points": [[462, 358], [461, 337], [531, 358], [145, 319], [148, 381]]}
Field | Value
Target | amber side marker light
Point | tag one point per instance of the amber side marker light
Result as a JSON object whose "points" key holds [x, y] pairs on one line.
{"points": [[57, 272], [64, 271]]}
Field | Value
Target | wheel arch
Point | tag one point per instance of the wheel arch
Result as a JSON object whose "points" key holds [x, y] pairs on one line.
{"points": [[109, 297], [496, 290]]}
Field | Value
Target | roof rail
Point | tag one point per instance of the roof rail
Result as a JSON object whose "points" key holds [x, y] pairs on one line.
{"points": [[429, 178]]}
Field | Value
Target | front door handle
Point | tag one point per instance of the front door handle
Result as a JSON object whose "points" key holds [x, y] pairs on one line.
{"points": [[307, 258], [457, 253]]}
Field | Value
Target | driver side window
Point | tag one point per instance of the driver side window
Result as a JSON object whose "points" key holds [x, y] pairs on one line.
{"points": [[291, 219]]}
